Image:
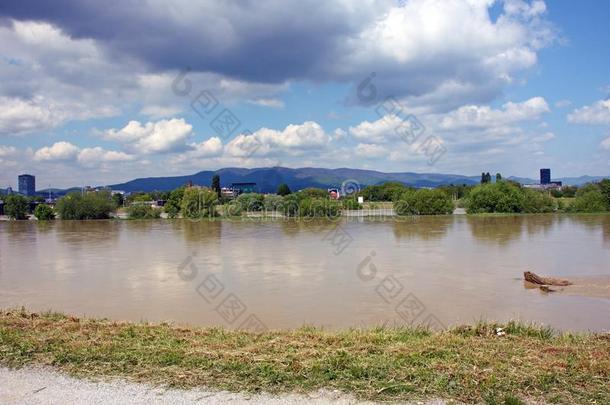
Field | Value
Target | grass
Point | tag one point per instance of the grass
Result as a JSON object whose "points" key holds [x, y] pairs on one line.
{"points": [[470, 363]]}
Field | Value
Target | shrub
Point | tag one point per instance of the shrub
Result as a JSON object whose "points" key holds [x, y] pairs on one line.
{"points": [[44, 213], [283, 189], [424, 202], [251, 202], [538, 202], [273, 202], [390, 191], [589, 199], [232, 209], [497, 197], [174, 201], [351, 203], [199, 202], [313, 192], [319, 208], [143, 211], [16, 206], [76, 205]]}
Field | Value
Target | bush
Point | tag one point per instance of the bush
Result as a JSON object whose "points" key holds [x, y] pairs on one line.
{"points": [[76, 205], [351, 203], [143, 211], [44, 213], [589, 199], [497, 197], [283, 189], [199, 202], [16, 206], [250, 202], [390, 191], [273, 202], [538, 202], [313, 192], [232, 209], [424, 202], [319, 208], [174, 201]]}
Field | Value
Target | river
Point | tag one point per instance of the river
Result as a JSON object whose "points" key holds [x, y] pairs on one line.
{"points": [[257, 274]]}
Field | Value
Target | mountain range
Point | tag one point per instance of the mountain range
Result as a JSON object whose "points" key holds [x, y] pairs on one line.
{"points": [[268, 178]]}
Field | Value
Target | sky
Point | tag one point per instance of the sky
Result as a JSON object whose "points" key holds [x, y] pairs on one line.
{"points": [[95, 93]]}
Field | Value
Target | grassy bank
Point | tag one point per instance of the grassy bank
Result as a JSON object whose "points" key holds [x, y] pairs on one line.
{"points": [[471, 364]]}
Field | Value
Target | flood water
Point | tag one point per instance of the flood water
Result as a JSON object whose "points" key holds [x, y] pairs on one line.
{"points": [[438, 271]]}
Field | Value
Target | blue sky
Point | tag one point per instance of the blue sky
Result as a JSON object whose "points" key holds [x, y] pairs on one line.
{"points": [[88, 92]]}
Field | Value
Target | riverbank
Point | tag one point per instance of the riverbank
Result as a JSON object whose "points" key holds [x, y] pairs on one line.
{"points": [[471, 364]]}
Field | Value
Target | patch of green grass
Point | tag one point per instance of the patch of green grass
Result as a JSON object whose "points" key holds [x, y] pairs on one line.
{"points": [[468, 363]]}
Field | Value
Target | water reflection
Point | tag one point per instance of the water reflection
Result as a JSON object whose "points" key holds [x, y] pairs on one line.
{"points": [[497, 230], [423, 228]]}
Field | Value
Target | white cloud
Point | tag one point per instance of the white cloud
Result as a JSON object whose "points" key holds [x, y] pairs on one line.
{"points": [[153, 137], [268, 102], [472, 116], [563, 103], [605, 144], [97, 155], [6, 151], [595, 114], [367, 150], [294, 139], [59, 151], [378, 131]]}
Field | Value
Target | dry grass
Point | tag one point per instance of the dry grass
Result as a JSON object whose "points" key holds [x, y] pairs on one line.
{"points": [[470, 364]]}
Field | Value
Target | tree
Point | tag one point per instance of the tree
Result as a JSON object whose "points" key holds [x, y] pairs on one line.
{"points": [[16, 206], [216, 184], [199, 202], [424, 202], [118, 199], [313, 192], [589, 198], [483, 178], [44, 213], [496, 197], [174, 202], [283, 189], [498, 177], [96, 205], [604, 187], [143, 211]]}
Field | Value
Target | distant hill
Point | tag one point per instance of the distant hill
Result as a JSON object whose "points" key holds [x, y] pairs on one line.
{"points": [[268, 178]]}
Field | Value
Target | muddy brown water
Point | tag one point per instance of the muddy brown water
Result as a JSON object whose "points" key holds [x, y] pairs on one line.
{"points": [[437, 271]]}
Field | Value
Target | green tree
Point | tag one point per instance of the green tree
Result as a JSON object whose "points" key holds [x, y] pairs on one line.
{"points": [[44, 213], [313, 192], [273, 202], [319, 208], [536, 202], [604, 187], [199, 202], [96, 205], [498, 177], [174, 202], [589, 198], [216, 184], [16, 206], [142, 211], [495, 197], [251, 202], [117, 199], [424, 202], [389, 191], [283, 190]]}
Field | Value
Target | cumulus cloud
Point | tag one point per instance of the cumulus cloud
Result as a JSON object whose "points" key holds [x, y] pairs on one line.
{"points": [[367, 150], [59, 151], [153, 137], [597, 113], [66, 152], [605, 144], [473, 116], [449, 50], [294, 139]]}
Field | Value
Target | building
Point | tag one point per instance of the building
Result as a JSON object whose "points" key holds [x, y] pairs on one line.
{"points": [[241, 188], [545, 176], [27, 184]]}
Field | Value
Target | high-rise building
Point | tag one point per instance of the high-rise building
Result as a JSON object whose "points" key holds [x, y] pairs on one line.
{"points": [[545, 176], [27, 184]]}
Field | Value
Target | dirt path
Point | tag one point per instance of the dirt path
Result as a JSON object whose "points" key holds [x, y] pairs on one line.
{"points": [[34, 386]]}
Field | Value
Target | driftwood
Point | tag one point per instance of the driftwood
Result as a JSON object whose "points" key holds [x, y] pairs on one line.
{"points": [[536, 279]]}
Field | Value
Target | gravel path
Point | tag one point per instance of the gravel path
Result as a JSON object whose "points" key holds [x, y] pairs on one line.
{"points": [[35, 386]]}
